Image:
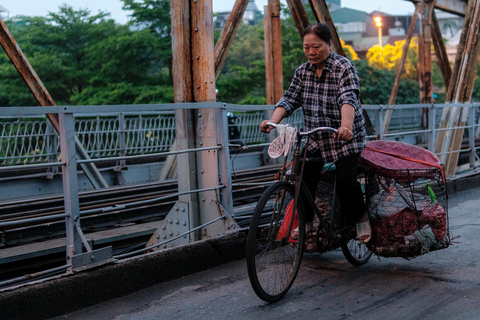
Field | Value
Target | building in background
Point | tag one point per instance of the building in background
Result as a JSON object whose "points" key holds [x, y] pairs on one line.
{"points": [[451, 27], [252, 16], [357, 28]]}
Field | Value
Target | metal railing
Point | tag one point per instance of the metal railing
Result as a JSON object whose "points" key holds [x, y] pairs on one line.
{"points": [[115, 133], [426, 136], [33, 139], [78, 251], [28, 140]]}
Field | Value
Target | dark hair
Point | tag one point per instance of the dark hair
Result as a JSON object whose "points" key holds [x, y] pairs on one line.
{"points": [[319, 29]]}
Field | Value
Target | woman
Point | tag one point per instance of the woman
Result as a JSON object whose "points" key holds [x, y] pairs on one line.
{"points": [[328, 90]]}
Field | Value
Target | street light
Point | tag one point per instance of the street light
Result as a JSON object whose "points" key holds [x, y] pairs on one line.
{"points": [[378, 23]]}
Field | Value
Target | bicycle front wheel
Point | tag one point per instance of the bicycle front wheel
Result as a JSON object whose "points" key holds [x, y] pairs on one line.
{"points": [[273, 255]]}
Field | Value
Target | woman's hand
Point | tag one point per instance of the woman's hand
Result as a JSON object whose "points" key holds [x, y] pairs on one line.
{"points": [[264, 127], [344, 134]]}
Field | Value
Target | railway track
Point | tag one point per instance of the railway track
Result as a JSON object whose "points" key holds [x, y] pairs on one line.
{"points": [[247, 189], [248, 185]]}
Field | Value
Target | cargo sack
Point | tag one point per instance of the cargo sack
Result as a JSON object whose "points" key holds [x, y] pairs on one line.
{"points": [[407, 200]]}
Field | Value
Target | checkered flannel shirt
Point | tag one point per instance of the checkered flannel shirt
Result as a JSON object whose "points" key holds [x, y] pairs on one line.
{"points": [[321, 99]]}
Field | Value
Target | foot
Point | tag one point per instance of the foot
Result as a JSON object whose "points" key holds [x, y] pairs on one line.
{"points": [[364, 230], [308, 228]]}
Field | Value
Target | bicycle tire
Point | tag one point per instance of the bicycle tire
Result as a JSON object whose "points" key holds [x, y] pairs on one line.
{"points": [[356, 252], [273, 261]]}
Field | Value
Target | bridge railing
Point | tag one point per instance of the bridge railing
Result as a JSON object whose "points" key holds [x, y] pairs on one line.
{"points": [[407, 125], [32, 139], [116, 133]]}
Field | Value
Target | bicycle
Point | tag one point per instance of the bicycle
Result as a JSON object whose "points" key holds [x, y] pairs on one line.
{"points": [[273, 256]]}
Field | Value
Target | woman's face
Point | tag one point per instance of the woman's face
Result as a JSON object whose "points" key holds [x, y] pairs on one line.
{"points": [[316, 49]]}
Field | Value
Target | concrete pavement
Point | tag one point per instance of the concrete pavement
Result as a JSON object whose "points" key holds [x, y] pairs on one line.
{"points": [[444, 284], [212, 283]]}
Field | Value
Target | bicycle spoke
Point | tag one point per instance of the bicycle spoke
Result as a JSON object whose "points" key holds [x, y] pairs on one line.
{"points": [[273, 260]]}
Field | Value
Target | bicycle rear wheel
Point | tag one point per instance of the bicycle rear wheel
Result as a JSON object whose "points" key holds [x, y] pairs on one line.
{"points": [[355, 252], [273, 257]]}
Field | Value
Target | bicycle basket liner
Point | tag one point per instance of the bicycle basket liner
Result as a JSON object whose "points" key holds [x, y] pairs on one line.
{"points": [[389, 158], [408, 219], [284, 229]]}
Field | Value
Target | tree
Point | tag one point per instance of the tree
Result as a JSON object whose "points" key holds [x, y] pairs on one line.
{"points": [[376, 85], [85, 59], [57, 47], [154, 15], [125, 93], [242, 79], [388, 57], [349, 51], [13, 90]]}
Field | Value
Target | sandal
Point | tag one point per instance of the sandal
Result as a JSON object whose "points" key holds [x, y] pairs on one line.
{"points": [[364, 229], [308, 228]]}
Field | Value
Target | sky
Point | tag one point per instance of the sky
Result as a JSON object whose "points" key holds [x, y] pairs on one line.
{"points": [[114, 7]]}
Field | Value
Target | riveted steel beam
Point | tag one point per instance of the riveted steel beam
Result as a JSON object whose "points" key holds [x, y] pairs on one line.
{"points": [[458, 7]]}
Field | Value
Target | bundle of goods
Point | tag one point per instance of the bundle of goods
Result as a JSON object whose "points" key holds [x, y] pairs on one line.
{"points": [[407, 199]]}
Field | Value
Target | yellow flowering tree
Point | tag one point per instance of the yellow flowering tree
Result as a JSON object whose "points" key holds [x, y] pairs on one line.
{"points": [[388, 57], [349, 52]]}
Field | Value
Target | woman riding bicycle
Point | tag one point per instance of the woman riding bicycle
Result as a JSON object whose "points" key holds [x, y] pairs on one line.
{"points": [[328, 90]]}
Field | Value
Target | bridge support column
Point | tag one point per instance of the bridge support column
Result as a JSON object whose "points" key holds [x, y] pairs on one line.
{"points": [[194, 81]]}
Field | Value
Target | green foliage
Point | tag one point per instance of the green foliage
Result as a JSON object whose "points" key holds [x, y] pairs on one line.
{"points": [[90, 60], [124, 93], [13, 91], [376, 85], [242, 78], [242, 84], [154, 15], [476, 86], [87, 59], [292, 48], [132, 53], [246, 50]]}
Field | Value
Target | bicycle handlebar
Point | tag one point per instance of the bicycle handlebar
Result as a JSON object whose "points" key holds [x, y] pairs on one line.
{"points": [[307, 133]]}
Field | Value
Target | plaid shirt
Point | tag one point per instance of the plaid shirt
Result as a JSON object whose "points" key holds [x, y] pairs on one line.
{"points": [[321, 99]]}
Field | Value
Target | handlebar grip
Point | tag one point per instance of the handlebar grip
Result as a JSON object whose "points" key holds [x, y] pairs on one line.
{"points": [[271, 124]]}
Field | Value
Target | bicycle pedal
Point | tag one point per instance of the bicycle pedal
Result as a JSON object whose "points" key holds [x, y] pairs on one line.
{"points": [[345, 234]]}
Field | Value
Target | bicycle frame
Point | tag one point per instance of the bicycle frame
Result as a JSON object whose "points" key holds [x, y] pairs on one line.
{"points": [[274, 251], [295, 177]]}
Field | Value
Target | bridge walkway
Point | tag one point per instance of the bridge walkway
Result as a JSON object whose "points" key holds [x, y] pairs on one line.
{"points": [[208, 280], [441, 285]]}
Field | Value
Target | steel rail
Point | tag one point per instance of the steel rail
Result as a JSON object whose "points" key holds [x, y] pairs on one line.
{"points": [[35, 275], [126, 255], [32, 220], [150, 155], [32, 166]]}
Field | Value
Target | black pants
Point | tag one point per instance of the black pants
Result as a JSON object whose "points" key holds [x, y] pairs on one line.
{"points": [[348, 189]]}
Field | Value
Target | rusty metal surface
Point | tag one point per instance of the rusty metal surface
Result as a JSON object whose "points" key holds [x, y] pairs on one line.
{"points": [[28, 74], [274, 10], [458, 7], [299, 15], [228, 33]]}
